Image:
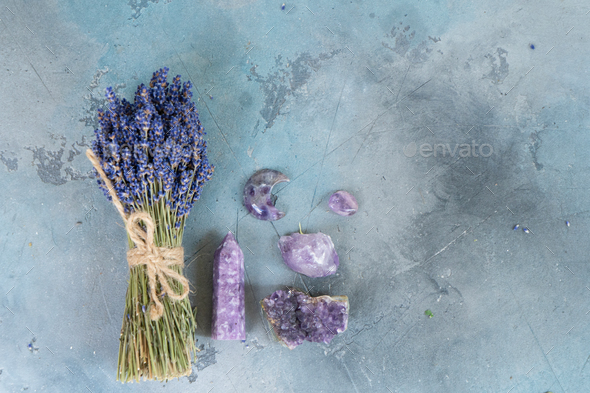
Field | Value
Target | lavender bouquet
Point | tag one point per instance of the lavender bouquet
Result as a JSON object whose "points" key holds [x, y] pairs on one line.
{"points": [[150, 159]]}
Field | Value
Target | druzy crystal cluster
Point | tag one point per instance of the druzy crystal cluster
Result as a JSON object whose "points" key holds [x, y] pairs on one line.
{"points": [[153, 149], [296, 317]]}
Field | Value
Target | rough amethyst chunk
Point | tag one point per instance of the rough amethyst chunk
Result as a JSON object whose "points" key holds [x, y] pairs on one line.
{"points": [[311, 254], [343, 203], [295, 316], [257, 194], [229, 318]]}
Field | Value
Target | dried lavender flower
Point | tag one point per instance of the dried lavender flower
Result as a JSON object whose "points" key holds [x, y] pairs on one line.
{"points": [[154, 153], [154, 147]]}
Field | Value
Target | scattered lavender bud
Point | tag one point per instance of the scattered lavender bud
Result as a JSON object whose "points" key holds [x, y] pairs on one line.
{"points": [[258, 197], [229, 312], [525, 230], [283, 6], [311, 254], [567, 223], [515, 227], [296, 317], [343, 203]]}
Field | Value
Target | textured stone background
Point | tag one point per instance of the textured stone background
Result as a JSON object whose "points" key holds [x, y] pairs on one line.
{"points": [[330, 94]]}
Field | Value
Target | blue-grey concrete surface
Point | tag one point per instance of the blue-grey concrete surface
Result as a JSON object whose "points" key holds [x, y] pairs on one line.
{"points": [[337, 95]]}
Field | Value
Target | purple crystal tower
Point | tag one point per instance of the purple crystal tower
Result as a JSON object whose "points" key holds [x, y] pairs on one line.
{"points": [[312, 254], [229, 317], [296, 317]]}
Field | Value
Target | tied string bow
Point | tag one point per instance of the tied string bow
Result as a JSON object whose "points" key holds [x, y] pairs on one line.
{"points": [[157, 260]]}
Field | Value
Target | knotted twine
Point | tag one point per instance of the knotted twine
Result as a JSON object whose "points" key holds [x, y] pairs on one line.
{"points": [[157, 260]]}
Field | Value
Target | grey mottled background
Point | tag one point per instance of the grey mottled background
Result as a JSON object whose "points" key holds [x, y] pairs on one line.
{"points": [[330, 94]]}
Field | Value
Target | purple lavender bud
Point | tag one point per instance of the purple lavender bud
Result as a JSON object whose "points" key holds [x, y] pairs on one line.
{"points": [[130, 134], [114, 150]]}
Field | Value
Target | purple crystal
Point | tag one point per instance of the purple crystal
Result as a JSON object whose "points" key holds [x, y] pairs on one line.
{"points": [[257, 194], [343, 203], [311, 254], [295, 316], [229, 317]]}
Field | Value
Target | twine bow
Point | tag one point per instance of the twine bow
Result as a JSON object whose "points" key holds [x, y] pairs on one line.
{"points": [[157, 260]]}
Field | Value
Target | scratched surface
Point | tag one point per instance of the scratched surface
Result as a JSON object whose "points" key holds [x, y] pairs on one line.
{"points": [[340, 95]]}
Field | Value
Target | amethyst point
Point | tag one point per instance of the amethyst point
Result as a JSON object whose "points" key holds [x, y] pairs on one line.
{"points": [[229, 317]]}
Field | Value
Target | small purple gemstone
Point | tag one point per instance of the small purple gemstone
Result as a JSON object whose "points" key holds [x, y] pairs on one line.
{"points": [[311, 254], [257, 194], [296, 317], [343, 203]]}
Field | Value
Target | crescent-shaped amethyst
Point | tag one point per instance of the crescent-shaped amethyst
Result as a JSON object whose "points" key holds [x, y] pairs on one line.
{"points": [[257, 194]]}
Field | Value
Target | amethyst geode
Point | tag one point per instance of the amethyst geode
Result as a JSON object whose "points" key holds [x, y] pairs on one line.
{"points": [[295, 316], [312, 254], [229, 317], [343, 203]]}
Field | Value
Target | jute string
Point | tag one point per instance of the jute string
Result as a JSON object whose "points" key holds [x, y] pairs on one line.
{"points": [[157, 260]]}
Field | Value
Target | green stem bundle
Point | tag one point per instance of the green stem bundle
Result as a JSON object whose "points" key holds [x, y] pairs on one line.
{"points": [[161, 349]]}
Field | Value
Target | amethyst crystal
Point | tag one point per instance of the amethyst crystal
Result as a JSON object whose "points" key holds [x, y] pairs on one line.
{"points": [[257, 194], [295, 316], [343, 203], [310, 254], [229, 320]]}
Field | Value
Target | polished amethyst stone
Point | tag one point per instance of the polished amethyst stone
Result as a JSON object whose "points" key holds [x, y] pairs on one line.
{"points": [[257, 194], [343, 203], [229, 317], [311, 254], [295, 317]]}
